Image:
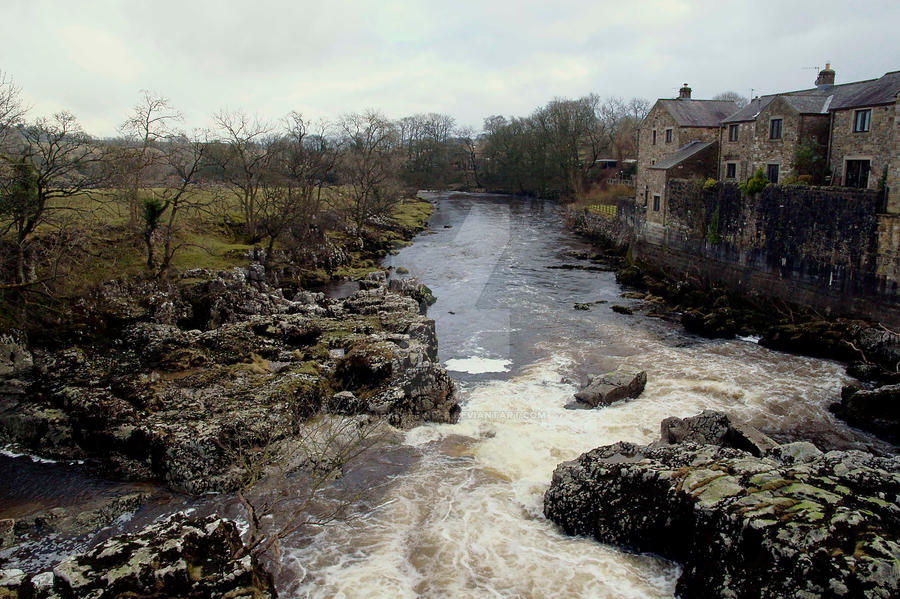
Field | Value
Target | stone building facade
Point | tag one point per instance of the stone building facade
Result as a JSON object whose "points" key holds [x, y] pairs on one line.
{"points": [[767, 135], [865, 148], [670, 126]]}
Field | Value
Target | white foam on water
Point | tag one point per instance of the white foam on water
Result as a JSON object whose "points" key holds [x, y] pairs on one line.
{"points": [[476, 365], [467, 520], [36, 459]]}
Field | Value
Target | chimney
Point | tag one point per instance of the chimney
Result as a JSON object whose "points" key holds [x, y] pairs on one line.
{"points": [[826, 76], [684, 93]]}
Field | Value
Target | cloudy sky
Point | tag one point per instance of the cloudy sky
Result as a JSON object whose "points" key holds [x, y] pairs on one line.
{"points": [[469, 59]]}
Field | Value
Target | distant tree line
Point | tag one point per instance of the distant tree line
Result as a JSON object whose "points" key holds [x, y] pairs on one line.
{"points": [[281, 179], [553, 152]]}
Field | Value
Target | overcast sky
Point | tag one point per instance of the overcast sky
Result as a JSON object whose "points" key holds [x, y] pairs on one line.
{"points": [[469, 59]]}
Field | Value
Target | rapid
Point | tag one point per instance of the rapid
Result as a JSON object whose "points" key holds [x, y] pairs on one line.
{"points": [[465, 518]]}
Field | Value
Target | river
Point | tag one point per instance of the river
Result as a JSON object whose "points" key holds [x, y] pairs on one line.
{"points": [[465, 520], [458, 508]]}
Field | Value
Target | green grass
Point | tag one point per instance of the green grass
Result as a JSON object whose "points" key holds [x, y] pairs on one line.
{"points": [[109, 245]]}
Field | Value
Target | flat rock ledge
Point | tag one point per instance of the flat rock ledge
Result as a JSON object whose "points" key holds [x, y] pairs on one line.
{"points": [[604, 389], [792, 523], [178, 557]]}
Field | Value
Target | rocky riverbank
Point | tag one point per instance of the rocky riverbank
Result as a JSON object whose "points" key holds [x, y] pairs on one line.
{"points": [[218, 363], [728, 506]]}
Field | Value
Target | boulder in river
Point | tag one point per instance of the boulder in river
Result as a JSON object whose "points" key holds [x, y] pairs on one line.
{"points": [[713, 428], [793, 523], [606, 388], [876, 410]]}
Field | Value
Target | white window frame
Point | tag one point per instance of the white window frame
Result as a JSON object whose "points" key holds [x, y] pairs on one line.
{"points": [[856, 113]]}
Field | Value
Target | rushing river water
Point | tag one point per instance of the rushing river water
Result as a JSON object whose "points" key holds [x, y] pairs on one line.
{"points": [[465, 519], [461, 512]]}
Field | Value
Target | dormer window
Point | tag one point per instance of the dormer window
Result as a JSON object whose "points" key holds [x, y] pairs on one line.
{"points": [[775, 128], [862, 119]]}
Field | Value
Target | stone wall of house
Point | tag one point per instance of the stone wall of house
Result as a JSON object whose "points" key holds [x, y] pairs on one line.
{"points": [[740, 152], [655, 181], [879, 145], [893, 180], [651, 181], [823, 247], [658, 119]]}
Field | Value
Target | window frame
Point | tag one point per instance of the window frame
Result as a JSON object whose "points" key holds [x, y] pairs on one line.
{"points": [[669, 135], [868, 120], [772, 121], [657, 201], [777, 168], [733, 132], [732, 167]]}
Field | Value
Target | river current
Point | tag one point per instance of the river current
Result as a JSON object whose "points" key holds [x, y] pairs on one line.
{"points": [[465, 520], [456, 510]]}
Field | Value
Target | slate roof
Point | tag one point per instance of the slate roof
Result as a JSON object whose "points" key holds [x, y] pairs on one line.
{"points": [[699, 113], [683, 153], [871, 92]]}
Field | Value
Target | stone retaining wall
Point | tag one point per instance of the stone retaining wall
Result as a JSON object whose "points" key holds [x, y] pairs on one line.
{"points": [[827, 248]]}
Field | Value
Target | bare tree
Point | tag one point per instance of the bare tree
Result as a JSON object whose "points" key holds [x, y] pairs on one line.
{"points": [[732, 96], [320, 452], [185, 157], [244, 162], [57, 161], [150, 123], [368, 166], [301, 162], [12, 109], [470, 159]]}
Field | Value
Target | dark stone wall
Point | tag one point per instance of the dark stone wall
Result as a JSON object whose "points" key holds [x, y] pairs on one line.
{"points": [[816, 246]]}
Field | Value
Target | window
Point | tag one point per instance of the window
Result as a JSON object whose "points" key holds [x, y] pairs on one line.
{"points": [[646, 193], [772, 173], [668, 136], [775, 128], [861, 120], [656, 202], [731, 170], [732, 132], [857, 174], [654, 138]]}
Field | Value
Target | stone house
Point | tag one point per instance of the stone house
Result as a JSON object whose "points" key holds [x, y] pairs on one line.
{"points": [[767, 133], [855, 128], [865, 137], [678, 138]]}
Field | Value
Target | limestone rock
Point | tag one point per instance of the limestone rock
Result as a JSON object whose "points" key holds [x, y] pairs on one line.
{"points": [[713, 428], [606, 388], [178, 557], [823, 525], [876, 410]]}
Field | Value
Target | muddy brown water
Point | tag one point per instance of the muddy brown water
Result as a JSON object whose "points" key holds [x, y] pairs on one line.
{"points": [[457, 509]]}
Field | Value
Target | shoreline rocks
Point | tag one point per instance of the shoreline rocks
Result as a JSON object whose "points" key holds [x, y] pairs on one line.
{"points": [[817, 524], [181, 556]]}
